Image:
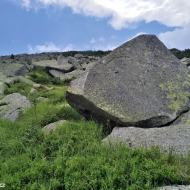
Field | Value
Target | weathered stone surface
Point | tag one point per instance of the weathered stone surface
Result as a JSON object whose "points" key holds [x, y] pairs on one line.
{"points": [[78, 56], [175, 137], [53, 126], [63, 76], [4, 78], [43, 99], [2, 88], [183, 119], [22, 79], [45, 63], [14, 104], [140, 83], [176, 187], [12, 69], [186, 61]]}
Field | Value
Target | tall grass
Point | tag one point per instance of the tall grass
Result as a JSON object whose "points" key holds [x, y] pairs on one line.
{"points": [[74, 157]]}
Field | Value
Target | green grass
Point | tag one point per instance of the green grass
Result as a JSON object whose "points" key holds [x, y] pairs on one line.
{"points": [[74, 156]]}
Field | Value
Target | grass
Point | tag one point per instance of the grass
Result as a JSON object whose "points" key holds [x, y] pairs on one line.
{"points": [[74, 156]]}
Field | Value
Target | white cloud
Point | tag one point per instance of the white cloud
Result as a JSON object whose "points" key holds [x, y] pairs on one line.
{"points": [[124, 13], [179, 38], [49, 47], [102, 39], [92, 40], [104, 47]]}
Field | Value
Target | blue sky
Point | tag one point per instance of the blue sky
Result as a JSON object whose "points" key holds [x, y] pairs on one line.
{"points": [[34, 26]]}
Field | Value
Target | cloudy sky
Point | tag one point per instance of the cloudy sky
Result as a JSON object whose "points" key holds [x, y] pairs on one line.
{"points": [[34, 26]]}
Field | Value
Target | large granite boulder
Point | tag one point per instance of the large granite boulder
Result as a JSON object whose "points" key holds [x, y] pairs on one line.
{"points": [[12, 105], [141, 84], [14, 69], [169, 138]]}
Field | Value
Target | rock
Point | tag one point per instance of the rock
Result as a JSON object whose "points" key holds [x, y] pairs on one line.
{"points": [[183, 119], [75, 63], [176, 187], [42, 87], [13, 69], [141, 84], [186, 61], [3, 86], [22, 79], [12, 105], [64, 76], [33, 91], [45, 63], [53, 126], [78, 56], [43, 99], [5, 79], [175, 137]]}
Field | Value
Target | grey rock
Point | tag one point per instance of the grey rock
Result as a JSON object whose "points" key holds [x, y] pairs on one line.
{"points": [[177, 187], [43, 99], [3, 86], [13, 69], [15, 103], [53, 126], [183, 119], [176, 137], [186, 61], [33, 91], [140, 83], [78, 56]]}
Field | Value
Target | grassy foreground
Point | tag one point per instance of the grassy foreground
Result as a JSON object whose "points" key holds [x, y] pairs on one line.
{"points": [[73, 157]]}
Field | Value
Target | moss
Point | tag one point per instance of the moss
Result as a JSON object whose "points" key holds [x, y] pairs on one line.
{"points": [[176, 92]]}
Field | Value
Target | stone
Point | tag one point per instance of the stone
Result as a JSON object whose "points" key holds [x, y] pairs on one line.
{"points": [[13, 105], [21, 79], [63, 76], [78, 56], [176, 187], [183, 119], [13, 69], [33, 91], [53, 126], [43, 99], [3, 86], [141, 84], [174, 137], [5, 79], [186, 61]]}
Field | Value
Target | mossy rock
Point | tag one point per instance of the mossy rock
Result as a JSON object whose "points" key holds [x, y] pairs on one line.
{"points": [[141, 83]]}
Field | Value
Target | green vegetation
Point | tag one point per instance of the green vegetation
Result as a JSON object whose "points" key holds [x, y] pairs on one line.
{"points": [[74, 156], [40, 75], [180, 53]]}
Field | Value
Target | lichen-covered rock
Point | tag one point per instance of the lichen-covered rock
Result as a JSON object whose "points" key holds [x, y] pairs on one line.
{"points": [[186, 61], [13, 69], [2, 87], [141, 83], [53, 126], [176, 187], [174, 137], [12, 105]]}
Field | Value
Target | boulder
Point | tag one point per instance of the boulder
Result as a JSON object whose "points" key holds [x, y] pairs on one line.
{"points": [[12, 105], [186, 61], [176, 187], [174, 137], [5, 79], [12, 69], [141, 84], [78, 56], [3, 86], [53, 126]]}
